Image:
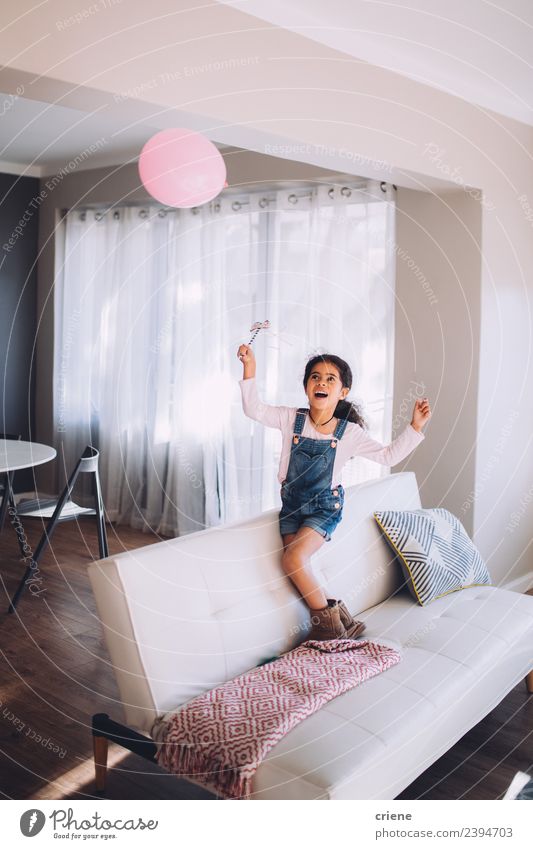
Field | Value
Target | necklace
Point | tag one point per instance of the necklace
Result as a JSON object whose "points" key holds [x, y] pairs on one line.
{"points": [[323, 423]]}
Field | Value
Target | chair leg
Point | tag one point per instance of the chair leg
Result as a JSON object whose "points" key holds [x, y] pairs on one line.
{"points": [[43, 542], [529, 681], [100, 518], [100, 747]]}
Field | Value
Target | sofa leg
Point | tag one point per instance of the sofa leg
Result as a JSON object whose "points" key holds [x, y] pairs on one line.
{"points": [[529, 682], [104, 730], [100, 746]]}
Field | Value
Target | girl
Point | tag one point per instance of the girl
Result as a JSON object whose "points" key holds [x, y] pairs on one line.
{"points": [[316, 443]]}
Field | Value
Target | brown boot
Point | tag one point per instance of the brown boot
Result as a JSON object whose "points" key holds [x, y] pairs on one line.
{"points": [[326, 623], [353, 627]]}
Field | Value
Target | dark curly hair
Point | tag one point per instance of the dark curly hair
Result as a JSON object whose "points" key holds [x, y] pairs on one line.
{"points": [[344, 409]]}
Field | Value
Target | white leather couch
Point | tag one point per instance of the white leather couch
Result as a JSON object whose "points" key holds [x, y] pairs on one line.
{"points": [[184, 615]]}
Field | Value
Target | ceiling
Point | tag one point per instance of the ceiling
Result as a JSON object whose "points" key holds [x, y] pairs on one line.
{"points": [[478, 50], [39, 138]]}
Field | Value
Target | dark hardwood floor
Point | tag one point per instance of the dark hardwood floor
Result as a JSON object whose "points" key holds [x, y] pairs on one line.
{"points": [[55, 673]]}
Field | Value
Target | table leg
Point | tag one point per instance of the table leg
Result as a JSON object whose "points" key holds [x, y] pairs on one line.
{"points": [[5, 500], [25, 549]]}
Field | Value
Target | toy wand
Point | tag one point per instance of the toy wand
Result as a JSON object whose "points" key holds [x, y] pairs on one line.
{"points": [[256, 327]]}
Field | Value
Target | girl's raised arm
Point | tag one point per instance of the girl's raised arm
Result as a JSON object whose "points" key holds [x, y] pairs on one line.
{"points": [[252, 405], [387, 455]]}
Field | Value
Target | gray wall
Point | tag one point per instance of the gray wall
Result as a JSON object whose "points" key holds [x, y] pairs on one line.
{"points": [[18, 291]]}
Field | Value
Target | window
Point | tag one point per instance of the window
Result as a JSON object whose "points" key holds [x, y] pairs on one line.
{"points": [[151, 305]]}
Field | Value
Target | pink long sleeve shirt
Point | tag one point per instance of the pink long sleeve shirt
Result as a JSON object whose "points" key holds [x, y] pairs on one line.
{"points": [[354, 443]]}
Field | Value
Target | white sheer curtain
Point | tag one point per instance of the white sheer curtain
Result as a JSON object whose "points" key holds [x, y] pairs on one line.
{"points": [[151, 306], [332, 290]]}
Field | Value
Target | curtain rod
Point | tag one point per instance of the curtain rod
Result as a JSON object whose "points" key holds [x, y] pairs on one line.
{"points": [[292, 198]]}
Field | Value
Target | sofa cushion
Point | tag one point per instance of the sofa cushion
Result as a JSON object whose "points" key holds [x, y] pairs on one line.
{"points": [[436, 554]]}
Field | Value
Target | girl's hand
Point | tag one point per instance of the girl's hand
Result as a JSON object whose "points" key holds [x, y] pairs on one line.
{"points": [[246, 355], [421, 414], [247, 358]]}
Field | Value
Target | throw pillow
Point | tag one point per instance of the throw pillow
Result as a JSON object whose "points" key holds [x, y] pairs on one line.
{"points": [[436, 554]]}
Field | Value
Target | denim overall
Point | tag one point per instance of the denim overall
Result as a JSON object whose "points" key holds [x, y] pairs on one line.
{"points": [[306, 493]]}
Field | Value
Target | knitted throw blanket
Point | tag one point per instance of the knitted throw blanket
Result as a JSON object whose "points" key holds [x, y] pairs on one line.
{"points": [[220, 738]]}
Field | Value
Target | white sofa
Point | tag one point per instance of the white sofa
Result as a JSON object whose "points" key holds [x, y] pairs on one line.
{"points": [[183, 615]]}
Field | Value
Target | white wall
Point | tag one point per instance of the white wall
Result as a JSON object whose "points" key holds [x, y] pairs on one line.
{"points": [[438, 316]]}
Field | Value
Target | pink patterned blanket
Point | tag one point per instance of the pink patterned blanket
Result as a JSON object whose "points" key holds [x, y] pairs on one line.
{"points": [[220, 738]]}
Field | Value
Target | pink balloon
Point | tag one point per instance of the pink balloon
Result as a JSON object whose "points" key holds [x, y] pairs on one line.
{"points": [[181, 168]]}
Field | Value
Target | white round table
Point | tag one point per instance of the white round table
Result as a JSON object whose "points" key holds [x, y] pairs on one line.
{"points": [[15, 454]]}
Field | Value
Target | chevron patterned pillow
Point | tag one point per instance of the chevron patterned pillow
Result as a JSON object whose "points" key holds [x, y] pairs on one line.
{"points": [[436, 554]]}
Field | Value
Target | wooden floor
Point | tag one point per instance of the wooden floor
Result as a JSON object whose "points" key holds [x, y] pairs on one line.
{"points": [[55, 673]]}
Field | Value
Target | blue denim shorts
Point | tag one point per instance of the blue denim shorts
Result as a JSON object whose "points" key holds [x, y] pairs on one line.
{"points": [[322, 511]]}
